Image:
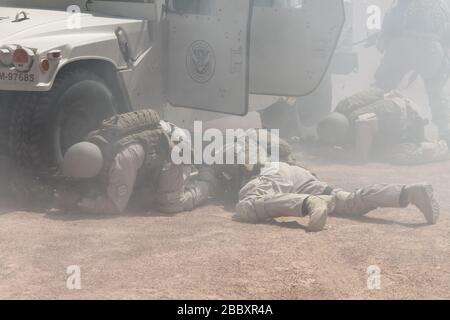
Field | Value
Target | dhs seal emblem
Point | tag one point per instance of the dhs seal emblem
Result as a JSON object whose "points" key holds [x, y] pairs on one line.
{"points": [[200, 61]]}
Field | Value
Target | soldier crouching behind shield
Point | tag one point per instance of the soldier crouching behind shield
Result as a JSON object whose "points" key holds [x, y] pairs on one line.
{"points": [[279, 189], [131, 155], [378, 126]]}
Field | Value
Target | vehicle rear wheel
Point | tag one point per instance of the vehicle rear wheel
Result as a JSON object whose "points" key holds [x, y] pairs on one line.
{"points": [[44, 125]]}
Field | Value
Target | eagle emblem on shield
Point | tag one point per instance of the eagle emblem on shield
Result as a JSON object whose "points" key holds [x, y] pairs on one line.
{"points": [[201, 61]]}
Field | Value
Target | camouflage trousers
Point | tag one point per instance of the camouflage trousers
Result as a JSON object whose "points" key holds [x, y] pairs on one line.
{"points": [[428, 58], [285, 192], [177, 192]]}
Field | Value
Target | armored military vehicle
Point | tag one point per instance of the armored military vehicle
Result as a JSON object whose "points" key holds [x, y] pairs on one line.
{"points": [[66, 65], [308, 110]]}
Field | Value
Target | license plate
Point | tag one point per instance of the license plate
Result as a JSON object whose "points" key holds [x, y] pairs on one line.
{"points": [[17, 77]]}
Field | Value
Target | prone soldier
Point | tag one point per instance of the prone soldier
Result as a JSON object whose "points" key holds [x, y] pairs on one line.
{"points": [[232, 177], [131, 155], [381, 126], [284, 190], [272, 189]]}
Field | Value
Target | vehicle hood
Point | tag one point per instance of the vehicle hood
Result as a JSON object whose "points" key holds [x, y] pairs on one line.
{"points": [[37, 18], [48, 27]]}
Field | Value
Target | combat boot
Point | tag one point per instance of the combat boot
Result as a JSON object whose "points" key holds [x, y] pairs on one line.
{"points": [[318, 208], [245, 212], [421, 196]]}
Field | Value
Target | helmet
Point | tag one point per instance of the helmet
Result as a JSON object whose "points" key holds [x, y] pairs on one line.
{"points": [[83, 160], [334, 129]]}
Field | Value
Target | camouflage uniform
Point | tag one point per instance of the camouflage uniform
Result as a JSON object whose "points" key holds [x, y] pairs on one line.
{"points": [[178, 192], [415, 38], [121, 179], [281, 190], [148, 170], [400, 136], [233, 177]]}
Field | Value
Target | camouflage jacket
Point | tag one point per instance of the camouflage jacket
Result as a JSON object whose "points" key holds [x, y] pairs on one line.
{"points": [[140, 127], [398, 121], [424, 18]]}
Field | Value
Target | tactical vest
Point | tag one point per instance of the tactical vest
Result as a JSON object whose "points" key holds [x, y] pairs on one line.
{"points": [[398, 121], [359, 100], [140, 127]]}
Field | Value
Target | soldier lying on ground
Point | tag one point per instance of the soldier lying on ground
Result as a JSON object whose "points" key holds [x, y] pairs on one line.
{"points": [[281, 189], [286, 188], [232, 177], [131, 155], [380, 126]]}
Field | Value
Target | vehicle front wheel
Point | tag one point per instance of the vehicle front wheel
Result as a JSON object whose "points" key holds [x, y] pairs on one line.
{"points": [[6, 107], [44, 125]]}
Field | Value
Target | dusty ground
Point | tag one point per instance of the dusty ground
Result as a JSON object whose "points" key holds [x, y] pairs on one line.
{"points": [[204, 254]]}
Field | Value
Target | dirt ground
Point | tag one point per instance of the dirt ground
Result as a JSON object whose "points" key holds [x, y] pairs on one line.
{"points": [[205, 255]]}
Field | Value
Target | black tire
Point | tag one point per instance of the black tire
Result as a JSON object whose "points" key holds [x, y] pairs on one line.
{"points": [[314, 107], [6, 106], [44, 125]]}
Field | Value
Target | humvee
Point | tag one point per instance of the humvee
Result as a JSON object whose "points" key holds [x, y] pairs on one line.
{"points": [[67, 65], [301, 118]]}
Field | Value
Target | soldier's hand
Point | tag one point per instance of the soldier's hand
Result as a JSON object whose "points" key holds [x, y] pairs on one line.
{"points": [[66, 200]]}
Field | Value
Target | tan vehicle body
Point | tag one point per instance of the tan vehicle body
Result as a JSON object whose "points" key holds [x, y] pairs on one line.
{"points": [[159, 54]]}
